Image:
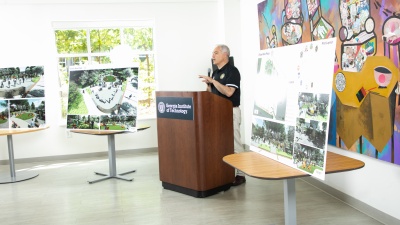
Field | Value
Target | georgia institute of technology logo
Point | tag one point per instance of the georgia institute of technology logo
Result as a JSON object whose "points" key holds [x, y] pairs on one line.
{"points": [[161, 107], [222, 76]]}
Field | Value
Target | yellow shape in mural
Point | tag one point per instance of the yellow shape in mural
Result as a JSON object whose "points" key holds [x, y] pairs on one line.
{"points": [[378, 75], [363, 105]]}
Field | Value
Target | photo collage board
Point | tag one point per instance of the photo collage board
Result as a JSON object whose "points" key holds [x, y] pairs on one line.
{"points": [[22, 97], [103, 97], [291, 112]]}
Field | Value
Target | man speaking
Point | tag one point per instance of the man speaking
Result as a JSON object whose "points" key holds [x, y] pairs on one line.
{"points": [[225, 82]]}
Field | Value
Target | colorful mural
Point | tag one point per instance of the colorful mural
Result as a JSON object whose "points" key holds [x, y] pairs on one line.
{"points": [[365, 112]]}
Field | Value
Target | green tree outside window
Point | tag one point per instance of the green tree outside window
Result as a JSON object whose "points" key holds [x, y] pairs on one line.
{"points": [[93, 46]]}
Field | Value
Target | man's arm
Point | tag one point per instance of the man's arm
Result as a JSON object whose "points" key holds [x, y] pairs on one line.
{"points": [[225, 90]]}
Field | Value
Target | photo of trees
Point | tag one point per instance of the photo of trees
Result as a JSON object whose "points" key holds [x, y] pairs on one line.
{"points": [[22, 97], [27, 113], [105, 95], [4, 120], [274, 137], [115, 122], [22, 82], [311, 132], [313, 106], [82, 122], [309, 159]]}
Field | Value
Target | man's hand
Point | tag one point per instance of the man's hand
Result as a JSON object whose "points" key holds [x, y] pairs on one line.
{"points": [[206, 79], [225, 90]]}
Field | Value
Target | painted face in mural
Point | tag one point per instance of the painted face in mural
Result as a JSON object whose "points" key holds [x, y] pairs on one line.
{"points": [[219, 58]]}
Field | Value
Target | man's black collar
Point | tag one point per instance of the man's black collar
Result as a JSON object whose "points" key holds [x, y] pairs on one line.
{"points": [[223, 68]]}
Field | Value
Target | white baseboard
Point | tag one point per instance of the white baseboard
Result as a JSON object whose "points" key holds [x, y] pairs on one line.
{"points": [[353, 202], [77, 156]]}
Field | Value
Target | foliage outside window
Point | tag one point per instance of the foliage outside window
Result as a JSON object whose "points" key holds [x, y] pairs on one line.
{"points": [[93, 45]]}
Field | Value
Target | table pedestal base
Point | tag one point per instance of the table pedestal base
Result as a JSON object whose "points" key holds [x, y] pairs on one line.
{"points": [[112, 164], [19, 176], [15, 176], [107, 176], [289, 190]]}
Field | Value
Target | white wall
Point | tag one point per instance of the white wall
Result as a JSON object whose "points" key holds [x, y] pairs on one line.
{"points": [[377, 184], [231, 18], [183, 40], [186, 32]]}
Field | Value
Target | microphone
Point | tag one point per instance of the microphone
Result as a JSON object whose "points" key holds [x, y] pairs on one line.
{"points": [[209, 72]]}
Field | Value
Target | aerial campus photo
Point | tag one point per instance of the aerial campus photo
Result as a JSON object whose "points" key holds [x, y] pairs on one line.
{"points": [[102, 98], [22, 82], [22, 102]]}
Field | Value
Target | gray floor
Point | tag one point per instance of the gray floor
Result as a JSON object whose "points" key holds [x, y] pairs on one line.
{"points": [[61, 195]]}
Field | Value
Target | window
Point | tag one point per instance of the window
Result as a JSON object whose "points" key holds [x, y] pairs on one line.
{"points": [[80, 43]]}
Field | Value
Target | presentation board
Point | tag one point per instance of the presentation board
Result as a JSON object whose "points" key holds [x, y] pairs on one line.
{"points": [[293, 89], [103, 97], [22, 97]]}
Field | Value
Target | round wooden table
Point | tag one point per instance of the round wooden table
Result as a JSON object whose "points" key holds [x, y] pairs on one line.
{"points": [[20, 175]]}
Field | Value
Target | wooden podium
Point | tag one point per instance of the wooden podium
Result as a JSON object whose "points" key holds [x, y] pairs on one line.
{"points": [[195, 131]]}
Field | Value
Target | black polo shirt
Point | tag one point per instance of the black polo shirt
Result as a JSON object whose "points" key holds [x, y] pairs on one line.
{"points": [[229, 76]]}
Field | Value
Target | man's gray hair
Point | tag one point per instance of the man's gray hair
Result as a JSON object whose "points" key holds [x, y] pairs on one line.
{"points": [[225, 49]]}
